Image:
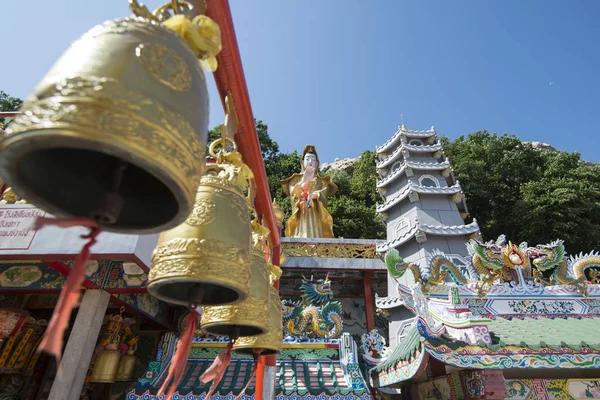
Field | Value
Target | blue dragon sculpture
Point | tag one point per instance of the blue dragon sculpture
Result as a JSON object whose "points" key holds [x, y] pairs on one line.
{"points": [[315, 316]]}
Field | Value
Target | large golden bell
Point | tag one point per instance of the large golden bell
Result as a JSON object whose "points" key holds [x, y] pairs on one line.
{"points": [[245, 318], [271, 342], [126, 368], [106, 366], [116, 130], [206, 260]]}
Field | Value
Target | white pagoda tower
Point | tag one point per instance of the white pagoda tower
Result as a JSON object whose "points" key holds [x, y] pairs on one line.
{"points": [[423, 207]]}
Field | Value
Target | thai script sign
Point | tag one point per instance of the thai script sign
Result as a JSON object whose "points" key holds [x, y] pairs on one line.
{"points": [[16, 224]]}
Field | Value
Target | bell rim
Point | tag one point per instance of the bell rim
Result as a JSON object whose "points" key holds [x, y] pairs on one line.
{"points": [[213, 328], [9, 163], [152, 289], [248, 349]]}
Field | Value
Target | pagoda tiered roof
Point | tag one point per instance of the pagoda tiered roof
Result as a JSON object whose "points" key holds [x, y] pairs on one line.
{"points": [[419, 229], [416, 165], [414, 188], [426, 148], [393, 141]]}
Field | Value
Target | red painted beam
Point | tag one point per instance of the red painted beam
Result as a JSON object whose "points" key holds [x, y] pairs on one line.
{"points": [[9, 114], [230, 78], [369, 309]]}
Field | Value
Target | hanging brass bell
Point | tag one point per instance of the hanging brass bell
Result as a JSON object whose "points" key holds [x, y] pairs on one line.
{"points": [[106, 366], [206, 260], [126, 368], [271, 342], [115, 131], [247, 317]]}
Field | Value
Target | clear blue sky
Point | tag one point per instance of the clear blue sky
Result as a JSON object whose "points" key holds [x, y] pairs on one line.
{"points": [[339, 73]]}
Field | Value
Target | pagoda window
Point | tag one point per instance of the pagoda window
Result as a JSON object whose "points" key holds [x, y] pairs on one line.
{"points": [[396, 166], [401, 226], [428, 181], [415, 142]]}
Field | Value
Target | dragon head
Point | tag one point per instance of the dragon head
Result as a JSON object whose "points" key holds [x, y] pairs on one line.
{"points": [[490, 253], [316, 291], [395, 264], [546, 256]]}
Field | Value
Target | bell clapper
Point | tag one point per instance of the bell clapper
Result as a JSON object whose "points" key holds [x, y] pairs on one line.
{"points": [[111, 202], [196, 295], [234, 334]]}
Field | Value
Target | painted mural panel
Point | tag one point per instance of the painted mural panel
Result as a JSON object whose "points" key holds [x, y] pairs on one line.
{"points": [[552, 389]]}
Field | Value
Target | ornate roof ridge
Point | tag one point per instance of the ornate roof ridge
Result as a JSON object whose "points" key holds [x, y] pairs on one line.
{"points": [[404, 192], [388, 302], [454, 230], [434, 165], [391, 176], [463, 229], [419, 165], [410, 133], [426, 148]]}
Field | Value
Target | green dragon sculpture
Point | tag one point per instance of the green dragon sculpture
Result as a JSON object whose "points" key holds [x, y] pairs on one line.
{"points": [[501, 261], [315, 316], [436, 272]]}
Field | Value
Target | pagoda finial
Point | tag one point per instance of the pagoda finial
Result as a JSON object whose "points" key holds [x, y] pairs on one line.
{"points": [[403, 127]]}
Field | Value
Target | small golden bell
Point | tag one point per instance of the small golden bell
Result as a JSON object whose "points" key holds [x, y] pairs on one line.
{"points": [[245, 318], [106, 366], [206, 260], [271, 342]]}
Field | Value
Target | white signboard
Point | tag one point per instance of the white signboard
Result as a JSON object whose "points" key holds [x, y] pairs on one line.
{"points": [[16, 224]]}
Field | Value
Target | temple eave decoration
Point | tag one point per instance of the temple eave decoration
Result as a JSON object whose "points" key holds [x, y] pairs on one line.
{"points": [[393, 141], [420, 230], [412, 189]]}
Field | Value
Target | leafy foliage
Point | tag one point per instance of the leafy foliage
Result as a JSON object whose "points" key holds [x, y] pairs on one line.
{"points": [[8, 103], [528, 194]]}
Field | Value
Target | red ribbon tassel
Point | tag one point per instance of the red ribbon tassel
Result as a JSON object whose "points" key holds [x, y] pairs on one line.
{"points": [[216, 371], [52, 341], [252, 374], [180, 357]]}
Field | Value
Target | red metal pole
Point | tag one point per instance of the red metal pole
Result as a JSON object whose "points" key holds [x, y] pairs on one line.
{"points": [[230, 78], [369, 309]]}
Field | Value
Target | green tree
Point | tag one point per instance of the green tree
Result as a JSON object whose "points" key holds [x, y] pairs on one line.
{"points": [[527, 194], [353, 209], [8, 103]]}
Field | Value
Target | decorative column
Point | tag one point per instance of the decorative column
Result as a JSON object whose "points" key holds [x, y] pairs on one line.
{"points": [[369, 309], [80, 346]]}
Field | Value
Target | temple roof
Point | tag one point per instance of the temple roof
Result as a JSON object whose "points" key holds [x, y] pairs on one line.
{"points": [[408, 133], [417, 165], [413, 148], [295, 377], [404, 192], [420, 228], [542, 342]]}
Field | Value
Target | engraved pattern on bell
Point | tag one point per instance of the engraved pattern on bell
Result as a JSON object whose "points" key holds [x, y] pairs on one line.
{"points": [[204, 212], [165, 65], [213, 256], [247, 315], [97, 106], [271, 342]]}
